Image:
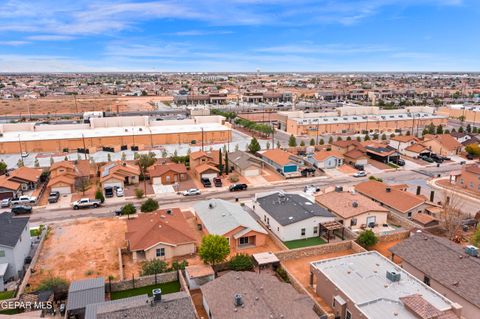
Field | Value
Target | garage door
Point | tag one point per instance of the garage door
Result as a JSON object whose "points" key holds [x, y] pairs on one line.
{"points": [[112, 184], [6, 195], [157, 180], [251, 172], [209, 176], [62, 190]]}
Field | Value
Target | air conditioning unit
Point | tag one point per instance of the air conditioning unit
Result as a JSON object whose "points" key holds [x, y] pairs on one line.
{"points": [[393, 276]]}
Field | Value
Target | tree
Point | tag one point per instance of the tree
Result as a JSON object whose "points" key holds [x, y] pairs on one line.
{"points": [[58, 285], [375, 136], [139, 193], [292, 141], [462, 118], [431, 128], [440, 129], [220, 162], [469, 128], [278, 144], [367, 238], [154, 266], [461, 129], [408, 133], [330, 140], [20, 163], [109, 158], [451, 215], [268, 145], [339, 138], [349, 138], [36, 163], [99, 195], [425, 132], [322, 142], [384, 137], [359, 139], [447, 131], [475, 129], [124, 156], [149, 205], [302, 143], [473, 149], [254, 146], [312, 142], [3, 167], [237, 148], [475, 240], [367, 137], [241, 262], [129, 209], [144, 162], [227, 164], [83, 184], [214, 249]]}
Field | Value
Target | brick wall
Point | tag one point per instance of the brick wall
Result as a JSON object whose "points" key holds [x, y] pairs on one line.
{"points": [[318, 250], [394, 236], [393, 218], [142, 281]]}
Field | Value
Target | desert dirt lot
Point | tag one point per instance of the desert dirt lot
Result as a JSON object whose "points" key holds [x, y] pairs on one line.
{"points": [[80, 249], [66, 104]]}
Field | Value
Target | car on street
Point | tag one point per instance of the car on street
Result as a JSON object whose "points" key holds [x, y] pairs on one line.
{"points": [[21, 209], [5, 202], [206, 182], [86, 203], [191, 192], [53, 197], [22, 200], [360, 174], [238, 187], [426, 159], [119, 192]]}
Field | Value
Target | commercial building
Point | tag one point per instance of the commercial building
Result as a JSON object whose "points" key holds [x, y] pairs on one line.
{"points": [[444, 266], [368, 285], [116, 133], [190, 99], [258, 97], [358, 119], [469, 113]]}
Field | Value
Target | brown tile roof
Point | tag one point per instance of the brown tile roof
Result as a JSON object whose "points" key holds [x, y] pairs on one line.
{"points": [[423, 219], [67, 179], [416, 148], [447, 141], [119, 170], [278, 156], [149, 229], [341, 203], [422, 308], [197, 154], [323, 155], [84, 168], [26, 173], [160, 169], [395, 198], [65, 164], [443, 261], [5, 183], [205, 167], [263, 296], [474, 169], [355, 154]]}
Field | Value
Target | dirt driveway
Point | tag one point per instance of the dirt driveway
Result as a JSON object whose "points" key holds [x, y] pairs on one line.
{"points": [[81, 249]]}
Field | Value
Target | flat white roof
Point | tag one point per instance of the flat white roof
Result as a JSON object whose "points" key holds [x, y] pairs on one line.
{"points": [[362, 278], [265, 258], [109, 131], [365, 118]]}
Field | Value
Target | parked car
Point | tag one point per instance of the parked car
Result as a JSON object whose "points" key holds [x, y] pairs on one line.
{"points": [[436, 158], [426, 158], [306, 171], [206, 182], [108, 191], [445, 158], [53, 197], [5, 202], [191, 192], [119, 192], [21, 209], [22, 200], [217, 182], [360, 174], [238, 187], [360, 167], [470, 156], [86, 203], [399, 162]]}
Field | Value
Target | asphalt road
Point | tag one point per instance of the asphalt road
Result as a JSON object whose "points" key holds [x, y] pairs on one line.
{"points": [[414, 178]]}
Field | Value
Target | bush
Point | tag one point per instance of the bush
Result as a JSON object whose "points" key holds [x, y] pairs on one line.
{"points": [[233, 178], [179, 265], [129, 209], [56, 284], [241, 262], [149, 205], [139, 193], [367, 238], [283, 274], [99, 195], [152, 267]]}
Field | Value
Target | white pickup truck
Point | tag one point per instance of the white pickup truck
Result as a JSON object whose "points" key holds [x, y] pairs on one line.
{"points": [[86, 203], [24, 200]]}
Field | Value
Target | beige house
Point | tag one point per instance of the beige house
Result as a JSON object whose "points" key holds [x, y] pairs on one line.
{"points": [[119, 174], [163, 234], [354, 210]]}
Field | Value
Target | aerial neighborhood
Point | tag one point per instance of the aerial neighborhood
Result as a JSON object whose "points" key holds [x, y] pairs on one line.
{"points": [[240, 196]]}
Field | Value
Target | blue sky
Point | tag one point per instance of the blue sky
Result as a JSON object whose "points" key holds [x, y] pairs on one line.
{"points": [[239, 35]]}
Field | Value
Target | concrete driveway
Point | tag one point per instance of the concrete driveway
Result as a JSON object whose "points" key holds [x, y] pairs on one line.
{"points": [[65, 201]]}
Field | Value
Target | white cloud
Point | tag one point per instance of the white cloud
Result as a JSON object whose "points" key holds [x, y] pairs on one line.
{"points": [[13, 43], [50, 37]]}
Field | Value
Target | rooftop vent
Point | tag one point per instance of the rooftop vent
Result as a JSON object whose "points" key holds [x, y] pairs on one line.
{"points": [[388, 189], [238, 300], [169, 211], [355, 204], [211, 205], [393, 276]]}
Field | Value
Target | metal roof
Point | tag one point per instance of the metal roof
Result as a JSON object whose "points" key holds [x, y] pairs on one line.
{"points": [[365, 118], [362, 278], [84, 292]]}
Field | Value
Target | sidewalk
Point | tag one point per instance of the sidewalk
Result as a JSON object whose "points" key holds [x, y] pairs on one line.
{"points": [[458, 191]]}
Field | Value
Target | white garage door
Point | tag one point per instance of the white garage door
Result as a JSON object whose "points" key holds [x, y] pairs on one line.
{"points": [[157, 180], [112, 184], [251, 172], [62, 190], [209, 176]]}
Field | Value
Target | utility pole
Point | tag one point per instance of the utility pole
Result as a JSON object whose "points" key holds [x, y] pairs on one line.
{"points": [[202, 139], [76, 106], [84, 147], [20, 143]]}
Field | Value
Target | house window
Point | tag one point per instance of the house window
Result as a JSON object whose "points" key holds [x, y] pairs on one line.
{"points": [[353, 222], [243, 240], [160, 252], [2, 253], [426, 280], [348, 315], [302, 232], [333, 302], [278, 228], [409, 214], [315, 229], [265, 218]]}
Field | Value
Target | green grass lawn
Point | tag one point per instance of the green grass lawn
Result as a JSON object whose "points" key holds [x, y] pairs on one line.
{"points": [[299, 243], [167, 288], [6, 294]]}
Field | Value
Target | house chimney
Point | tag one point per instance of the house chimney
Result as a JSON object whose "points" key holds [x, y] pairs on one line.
{"points": [[419, 190], [388, 189], [432, 196]]}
